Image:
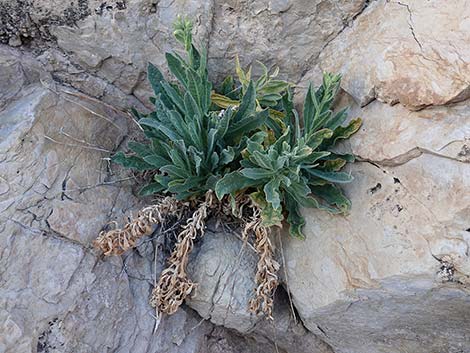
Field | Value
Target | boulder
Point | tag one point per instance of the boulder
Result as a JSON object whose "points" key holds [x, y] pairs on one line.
{"points": [[225, 272]]}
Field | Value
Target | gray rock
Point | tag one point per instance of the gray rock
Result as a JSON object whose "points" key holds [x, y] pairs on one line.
{"points": [[224, 269], [392, 276], [57, 191], [290, 34]]}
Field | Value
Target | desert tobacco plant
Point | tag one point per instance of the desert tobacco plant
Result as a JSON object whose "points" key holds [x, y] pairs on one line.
{"points": [[240, 151]]}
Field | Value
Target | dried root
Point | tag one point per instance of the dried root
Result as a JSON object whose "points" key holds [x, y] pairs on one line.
{"points": [[266, 274], [174, 284], [117, 241]]}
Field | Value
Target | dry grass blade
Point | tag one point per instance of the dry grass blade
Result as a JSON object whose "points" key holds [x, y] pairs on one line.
{"points": [[117, 241], [174, 284], [266, 274]]}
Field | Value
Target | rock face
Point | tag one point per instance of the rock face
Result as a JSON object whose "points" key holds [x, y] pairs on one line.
{"points": [[412, 52], [287, 33], [400, 257], [225, 271], [392, 276], [57, 190]]}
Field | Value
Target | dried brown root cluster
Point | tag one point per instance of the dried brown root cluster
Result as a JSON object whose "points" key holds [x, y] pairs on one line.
{"points": [[174, 284], [266, 271], [117, 241]]}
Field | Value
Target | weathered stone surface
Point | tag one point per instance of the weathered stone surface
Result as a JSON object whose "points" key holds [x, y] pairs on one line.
{"points": [[390, 277], [57, 191], [24, 21], [116, 43], [287, 33], [104, 46], [412, 52], [382, 278], [225, 270]]}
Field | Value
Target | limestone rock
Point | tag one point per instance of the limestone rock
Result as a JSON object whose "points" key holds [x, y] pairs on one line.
{"points": [[412, 52], [290, 34], [24, 21], [225, 270], [57, 191], [116, 43], [398, 262], [392, 276]]}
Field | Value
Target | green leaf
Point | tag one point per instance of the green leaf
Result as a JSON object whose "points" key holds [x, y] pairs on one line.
{"points": [[227, 86], [294, 218], [174, 96], [176, 67], [175, 172], [314, 140], [184, 185], [257, 173], [228, 155], [337, 119], [132, 162], [333, 196], [142, 150], [271, 190], [334, 165], [233, 182], [155, 76], [246, 125], [346, 156], [156, 161], [152, 188], [275, 87], [311, 158], [334, 177], [261, 159], [171, 134], [344, 132], [309, 109], [270, 216], [248, 103]]}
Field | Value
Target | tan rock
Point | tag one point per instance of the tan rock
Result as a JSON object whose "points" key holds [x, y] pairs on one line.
{"points": [[290, 34], [412, 52], [403, 250]]}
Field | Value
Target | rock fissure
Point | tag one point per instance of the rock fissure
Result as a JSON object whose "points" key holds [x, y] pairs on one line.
{"points": [[410, 23], [408, 157], [348, 23]]}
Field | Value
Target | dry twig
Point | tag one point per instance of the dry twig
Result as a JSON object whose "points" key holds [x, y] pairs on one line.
{"points": [[174, 284], [266, 274], [117, 241]]}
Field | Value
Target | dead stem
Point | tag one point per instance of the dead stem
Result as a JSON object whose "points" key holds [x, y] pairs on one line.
{"points": [[266, 274], [174, 284], [117, 241]]}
